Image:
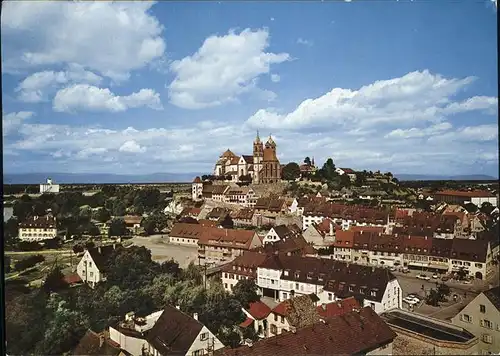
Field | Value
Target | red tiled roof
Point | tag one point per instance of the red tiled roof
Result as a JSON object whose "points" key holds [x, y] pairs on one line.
{"points": [[246, 323], [344, 238], [338, 308], [376, 229], [214, 236], [72, 278], [258, 310], [348, 170], [189, 231], [349, 334], [246, 264]]}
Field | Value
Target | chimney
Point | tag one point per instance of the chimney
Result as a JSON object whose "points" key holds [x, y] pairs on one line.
{"points": [[195, 316], [101, 341]]}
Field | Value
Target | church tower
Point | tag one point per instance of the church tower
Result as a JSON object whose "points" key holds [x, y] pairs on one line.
{"points": [[258, 156]]}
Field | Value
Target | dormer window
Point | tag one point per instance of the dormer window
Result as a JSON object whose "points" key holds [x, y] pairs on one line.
{"points": [[373, 293], [309, 275], [286, 272], [321, 277], [234, 268], [297, 274]]}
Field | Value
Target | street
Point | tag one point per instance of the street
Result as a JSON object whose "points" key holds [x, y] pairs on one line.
{"points": [[162, 250]]}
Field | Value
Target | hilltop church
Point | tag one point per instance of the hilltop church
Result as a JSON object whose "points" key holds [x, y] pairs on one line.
{"points": [[263, 166]]}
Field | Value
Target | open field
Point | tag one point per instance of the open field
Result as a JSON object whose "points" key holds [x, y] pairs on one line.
{"points": [[162, 250]]}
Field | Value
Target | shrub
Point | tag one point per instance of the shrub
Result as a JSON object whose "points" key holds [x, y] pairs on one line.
{"points": [[28, 262]]}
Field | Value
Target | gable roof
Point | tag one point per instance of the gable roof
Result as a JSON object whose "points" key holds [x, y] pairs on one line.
{"points": [[101, 254], [226, 237], [258, 310], [246, 264], [348, 334], [338, 308], [174, 332], [284, 231], [293, 245], [90, 344], [493, 295], [47, 222], [185, 230]]}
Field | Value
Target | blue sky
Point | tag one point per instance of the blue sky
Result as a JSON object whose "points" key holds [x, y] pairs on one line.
{"points": [[409, 87]]}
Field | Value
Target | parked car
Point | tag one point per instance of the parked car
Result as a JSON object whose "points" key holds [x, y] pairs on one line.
{"points": [[411, 301], [435, 276], [424, 277], [414, 296], [392, 269]]}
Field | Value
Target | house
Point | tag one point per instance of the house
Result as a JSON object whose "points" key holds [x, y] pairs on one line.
{"points": [[321, 235], [173, 208], [49, 187], [281, 232], [130, 334], [419, 334], [93, 265], [340, 307], [242, 217], [295, 312], [132, 222], [482, 318], [476, 197], [177, 333], [350, 173], [242, 267], [257, 314], [197, 189], [244, 196], [295, 245], [93, 343], [282, 276], [270, 207], [72, 279], [38, 228], [217, 214], [185, 234], [356, 333], [218, 245], [190, 212]]}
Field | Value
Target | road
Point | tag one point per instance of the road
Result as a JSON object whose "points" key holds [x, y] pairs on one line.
{"points": [[162, 250], [39, 252]]}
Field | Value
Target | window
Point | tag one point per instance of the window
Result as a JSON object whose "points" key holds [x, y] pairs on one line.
{"points": [[486, 324], [487, 338], [373, 293], [296, 286], [198, 352], [372, 305], [275, 317], [479, 265], [274, 329], [225, 285], [203, 336], [282, 320], [466, 318], [90, 264], [285, 295], [91, 274], [482, 308], [330, 296]]}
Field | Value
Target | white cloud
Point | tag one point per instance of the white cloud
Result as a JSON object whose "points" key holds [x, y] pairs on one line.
{"points": [[223, 68], [112, 38], [415, 97], [36, 87], [275, 78], [132, 147], [422, 132], [304, 42], [479, 133], [90, 98], [14, 120]]}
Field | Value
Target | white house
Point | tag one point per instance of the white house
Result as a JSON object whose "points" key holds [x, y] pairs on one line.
{"points": [[173, 208], [131, 333], [92, 266], [281, 277], [49, 187], [197, 189], [163, 338], [350, 173], [38, 228], [185, 234], [281, 232], [257, 314]]}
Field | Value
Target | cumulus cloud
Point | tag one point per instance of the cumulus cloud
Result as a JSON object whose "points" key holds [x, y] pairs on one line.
{"points": [[112, 38], [275, 78], [84, 97], [223, 68], [420, 132], [12, 121], [132, 147], [37, 87], [416, 97]]}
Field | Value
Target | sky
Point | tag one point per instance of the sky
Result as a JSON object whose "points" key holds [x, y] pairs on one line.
{"points": [[142, 87]]}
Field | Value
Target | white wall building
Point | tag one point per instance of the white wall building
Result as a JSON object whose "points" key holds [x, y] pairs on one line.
{"points": [[92, 266], [49, 187], [38, 228]]}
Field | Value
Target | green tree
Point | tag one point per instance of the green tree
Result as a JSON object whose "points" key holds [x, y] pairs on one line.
{"points": [[102, 215], [119, 208], [10, 230], [345, 181], [471, 208], [327, 172], [117, 227], [246, 292], [433, 298], [307, 161], [291, 171], [131, 268], [54, 281], [486, 208], [443, 291]]}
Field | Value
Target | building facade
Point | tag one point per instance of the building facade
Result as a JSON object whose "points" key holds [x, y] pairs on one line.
{"points": [[38, 228]]}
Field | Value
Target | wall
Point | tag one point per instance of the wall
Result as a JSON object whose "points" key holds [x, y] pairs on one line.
{"points": [[90, 273], [130, 344], [183, 241], [479, 201], [383, 350], [474, 326], [36, 234], [271, 237], [200, 344], [408, 343]]}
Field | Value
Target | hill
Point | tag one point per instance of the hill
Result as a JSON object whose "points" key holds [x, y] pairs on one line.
{"points": [[472, 177]]}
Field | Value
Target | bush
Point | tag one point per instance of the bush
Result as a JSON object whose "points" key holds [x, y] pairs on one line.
{"points": [[28, 262], [29, 246]]}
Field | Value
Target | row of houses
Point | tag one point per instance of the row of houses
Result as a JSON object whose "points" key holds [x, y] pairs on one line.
{"points": [[371, 245], [282, 276]]}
